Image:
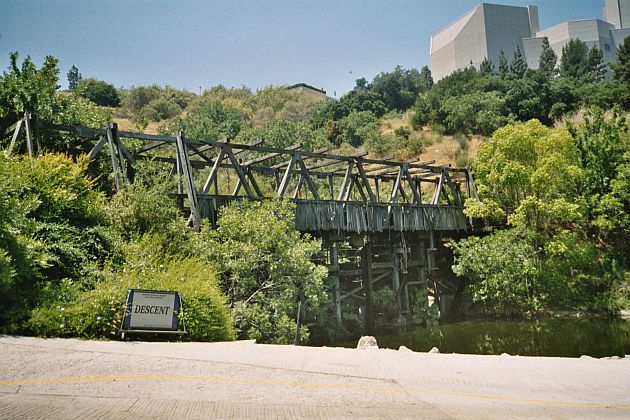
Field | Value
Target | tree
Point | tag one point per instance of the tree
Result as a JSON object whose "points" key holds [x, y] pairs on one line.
{"points": [[548, 60], [74, 77], [596, 65], [98, 91], [266, 267], [518, 66], [357, 128], [426, 78], [478, 113], [504, 68], [209, 119], [486, 67], [282, 133], [24, 88], [528, 172], [400, 87], [621, 68], [361, 83], [574, 61]]}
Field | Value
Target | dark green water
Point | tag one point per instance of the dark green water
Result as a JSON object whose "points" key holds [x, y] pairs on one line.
{"points": [[553, 337]]}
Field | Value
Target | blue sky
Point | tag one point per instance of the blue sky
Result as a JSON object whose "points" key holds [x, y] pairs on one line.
{"points": [[193, 44]]}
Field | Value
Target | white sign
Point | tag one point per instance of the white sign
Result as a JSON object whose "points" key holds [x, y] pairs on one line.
{"points": [[152, 310]]}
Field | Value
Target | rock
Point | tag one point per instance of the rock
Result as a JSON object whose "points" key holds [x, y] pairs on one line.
{"points": [[434, 350], [404, 349], [367, 342]]}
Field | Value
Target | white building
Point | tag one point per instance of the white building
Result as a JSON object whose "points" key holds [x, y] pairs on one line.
{"points": [[489, 28]]}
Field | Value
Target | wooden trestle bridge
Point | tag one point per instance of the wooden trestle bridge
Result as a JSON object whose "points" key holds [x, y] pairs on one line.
{"points": [[381, 221]]}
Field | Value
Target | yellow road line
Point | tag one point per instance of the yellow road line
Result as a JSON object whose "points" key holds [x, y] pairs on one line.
{"points": [[314, 385]]}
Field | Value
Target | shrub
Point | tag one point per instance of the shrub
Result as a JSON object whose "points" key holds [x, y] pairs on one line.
{"points": [[98, 91], [98, 313], [265, 267]]}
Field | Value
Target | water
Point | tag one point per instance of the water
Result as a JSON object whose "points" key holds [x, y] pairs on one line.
{"points": [[553, 337]]}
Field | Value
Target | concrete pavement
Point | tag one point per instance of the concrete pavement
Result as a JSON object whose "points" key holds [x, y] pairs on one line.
{"points": [[67, 378]]}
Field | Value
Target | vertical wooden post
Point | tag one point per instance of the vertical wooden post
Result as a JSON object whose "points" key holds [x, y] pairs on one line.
{"points": [[112, 155], [121, 157], [182, 151], [334, 265], [35, 130], [367, 280], [29, 135]]}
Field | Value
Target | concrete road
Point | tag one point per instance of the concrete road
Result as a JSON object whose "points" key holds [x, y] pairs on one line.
{"points": [[60, 378]]}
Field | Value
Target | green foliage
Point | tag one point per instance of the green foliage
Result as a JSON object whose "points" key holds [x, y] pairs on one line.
{"points": [[480, 112], [502, 269], [98, 91], [70, 311], [504, 69], [553, 186], [486, 67], [574, 61], [51, 230], [548, 60], [282, 133], [209, 119], [530, 98], [596, 66], [24, 88], [357, 128], [529, 171], [146, 206], [265, 267], [154, 103], [518, 67], [400, 87], [621, 69], [604, 155], [74, 77], [357, 100]]}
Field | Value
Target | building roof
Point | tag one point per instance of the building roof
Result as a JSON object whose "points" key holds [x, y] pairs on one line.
{"points": [[304, 85]]}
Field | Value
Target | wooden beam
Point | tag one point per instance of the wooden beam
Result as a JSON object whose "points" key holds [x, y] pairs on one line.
{"points": [[114, 159], [282, 189], [412, 185], [29, 135], [366, 182], [142, 136], [16, 133], [190, 183], [213, 172], [150, 146], [307, 178], [270, 155], [97, 148], [345, 184], [239, 171], [396, 187], [12, 127]]}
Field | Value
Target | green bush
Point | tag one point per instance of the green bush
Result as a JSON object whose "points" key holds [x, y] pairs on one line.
{"points": [[265, 267], [98, 313], [98, 91]]}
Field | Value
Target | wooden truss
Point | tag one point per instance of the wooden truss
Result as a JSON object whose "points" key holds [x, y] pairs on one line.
{"points": [[305, 176]]}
